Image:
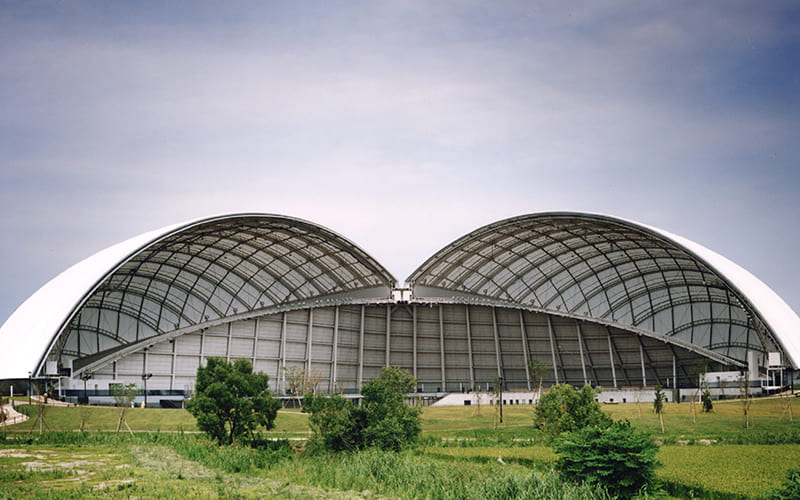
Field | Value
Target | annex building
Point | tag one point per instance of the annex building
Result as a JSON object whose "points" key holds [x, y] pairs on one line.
{"points": [[597, 299]]}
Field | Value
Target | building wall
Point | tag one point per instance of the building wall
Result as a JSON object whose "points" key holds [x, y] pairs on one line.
{"points": [[450, 348]]}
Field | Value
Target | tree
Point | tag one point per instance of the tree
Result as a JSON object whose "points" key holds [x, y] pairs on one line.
{"points": [[123, 397], [658, 405], [384, 419], [708, 405], [563, 409], [617, 457], [300, 381], [497, 398], [391, 424], [537, 371], [231, 401]]}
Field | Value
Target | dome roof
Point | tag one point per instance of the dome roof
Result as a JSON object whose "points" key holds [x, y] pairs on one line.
{"points": [[615, 271], [207, 271]]}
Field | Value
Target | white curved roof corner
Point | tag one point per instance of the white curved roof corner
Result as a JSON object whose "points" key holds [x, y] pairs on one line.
{"points": [[775, 312], [31, 328]]}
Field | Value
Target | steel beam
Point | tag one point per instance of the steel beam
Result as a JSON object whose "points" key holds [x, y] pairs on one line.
{"points": [[335, 350], [388, 335], [441, 345], [525, 347], [309, 339], [611, 358], [469, 350], [414, 339], [361, 351], [496, 343], [552, 346], [580, 349]]}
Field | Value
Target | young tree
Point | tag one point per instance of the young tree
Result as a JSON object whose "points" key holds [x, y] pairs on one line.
{"points": [[537, 371], [708, 405], [123, 397], [497, 397], [658, 405], [563, 409], [230, 401]]}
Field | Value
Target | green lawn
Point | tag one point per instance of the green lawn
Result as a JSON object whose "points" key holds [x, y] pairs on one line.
{"points": [[472, 437], [289, 423]]}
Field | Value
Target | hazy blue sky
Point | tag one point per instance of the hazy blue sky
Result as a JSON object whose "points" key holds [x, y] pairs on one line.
{"points": [[401, 125]]}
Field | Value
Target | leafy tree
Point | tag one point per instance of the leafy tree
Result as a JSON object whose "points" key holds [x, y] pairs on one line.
{"points": [[391, 424], [617, 457], [563, 409], [231, 401], [384, 419]]}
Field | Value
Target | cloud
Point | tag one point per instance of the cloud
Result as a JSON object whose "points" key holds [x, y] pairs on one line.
{"points": [[401, 126]]}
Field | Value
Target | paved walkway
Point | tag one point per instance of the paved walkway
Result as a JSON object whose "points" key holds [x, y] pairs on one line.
{"points": [[12, 415]]}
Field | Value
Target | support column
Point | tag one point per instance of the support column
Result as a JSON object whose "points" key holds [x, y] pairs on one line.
{"points": [[611, 358], [469, 350], [641, 356], [172, 369], [255, 342], [552, 346], [496, 343], [202, 345], [335, 350], [282, 365], [676, 392], [580, 348], [388, 335], [441, 345], [361, 351], [525, 347], [414, 339], [228, 349], [309, 339]]}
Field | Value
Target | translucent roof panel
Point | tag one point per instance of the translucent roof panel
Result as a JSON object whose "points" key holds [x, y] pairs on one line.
{"points": [[187, 275], [617, 271]]}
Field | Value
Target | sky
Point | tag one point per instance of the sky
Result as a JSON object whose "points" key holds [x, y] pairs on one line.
{"points": [[400, 125]]}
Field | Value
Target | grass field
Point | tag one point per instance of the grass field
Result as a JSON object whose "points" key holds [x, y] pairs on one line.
{"points": [[462, 443]]}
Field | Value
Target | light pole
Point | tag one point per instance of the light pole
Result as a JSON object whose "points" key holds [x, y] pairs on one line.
{"points": [[146, 376], [85, 376], [30, 391]]}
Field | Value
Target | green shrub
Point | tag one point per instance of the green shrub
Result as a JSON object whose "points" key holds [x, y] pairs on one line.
{"points": [[617, 457], [706, 399], [383, 420], [563, 409], [790, 489]]}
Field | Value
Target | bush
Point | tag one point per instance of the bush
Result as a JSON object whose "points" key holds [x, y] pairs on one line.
{"points": [[383, 420], [790, 489], [563, 409], [618, 457]]}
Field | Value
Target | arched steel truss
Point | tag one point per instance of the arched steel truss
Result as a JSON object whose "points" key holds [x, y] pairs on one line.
{"points": [[606, 269], [216, 271]]}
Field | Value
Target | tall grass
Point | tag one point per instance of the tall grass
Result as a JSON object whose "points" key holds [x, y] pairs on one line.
{"points": [[410, 476]]}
